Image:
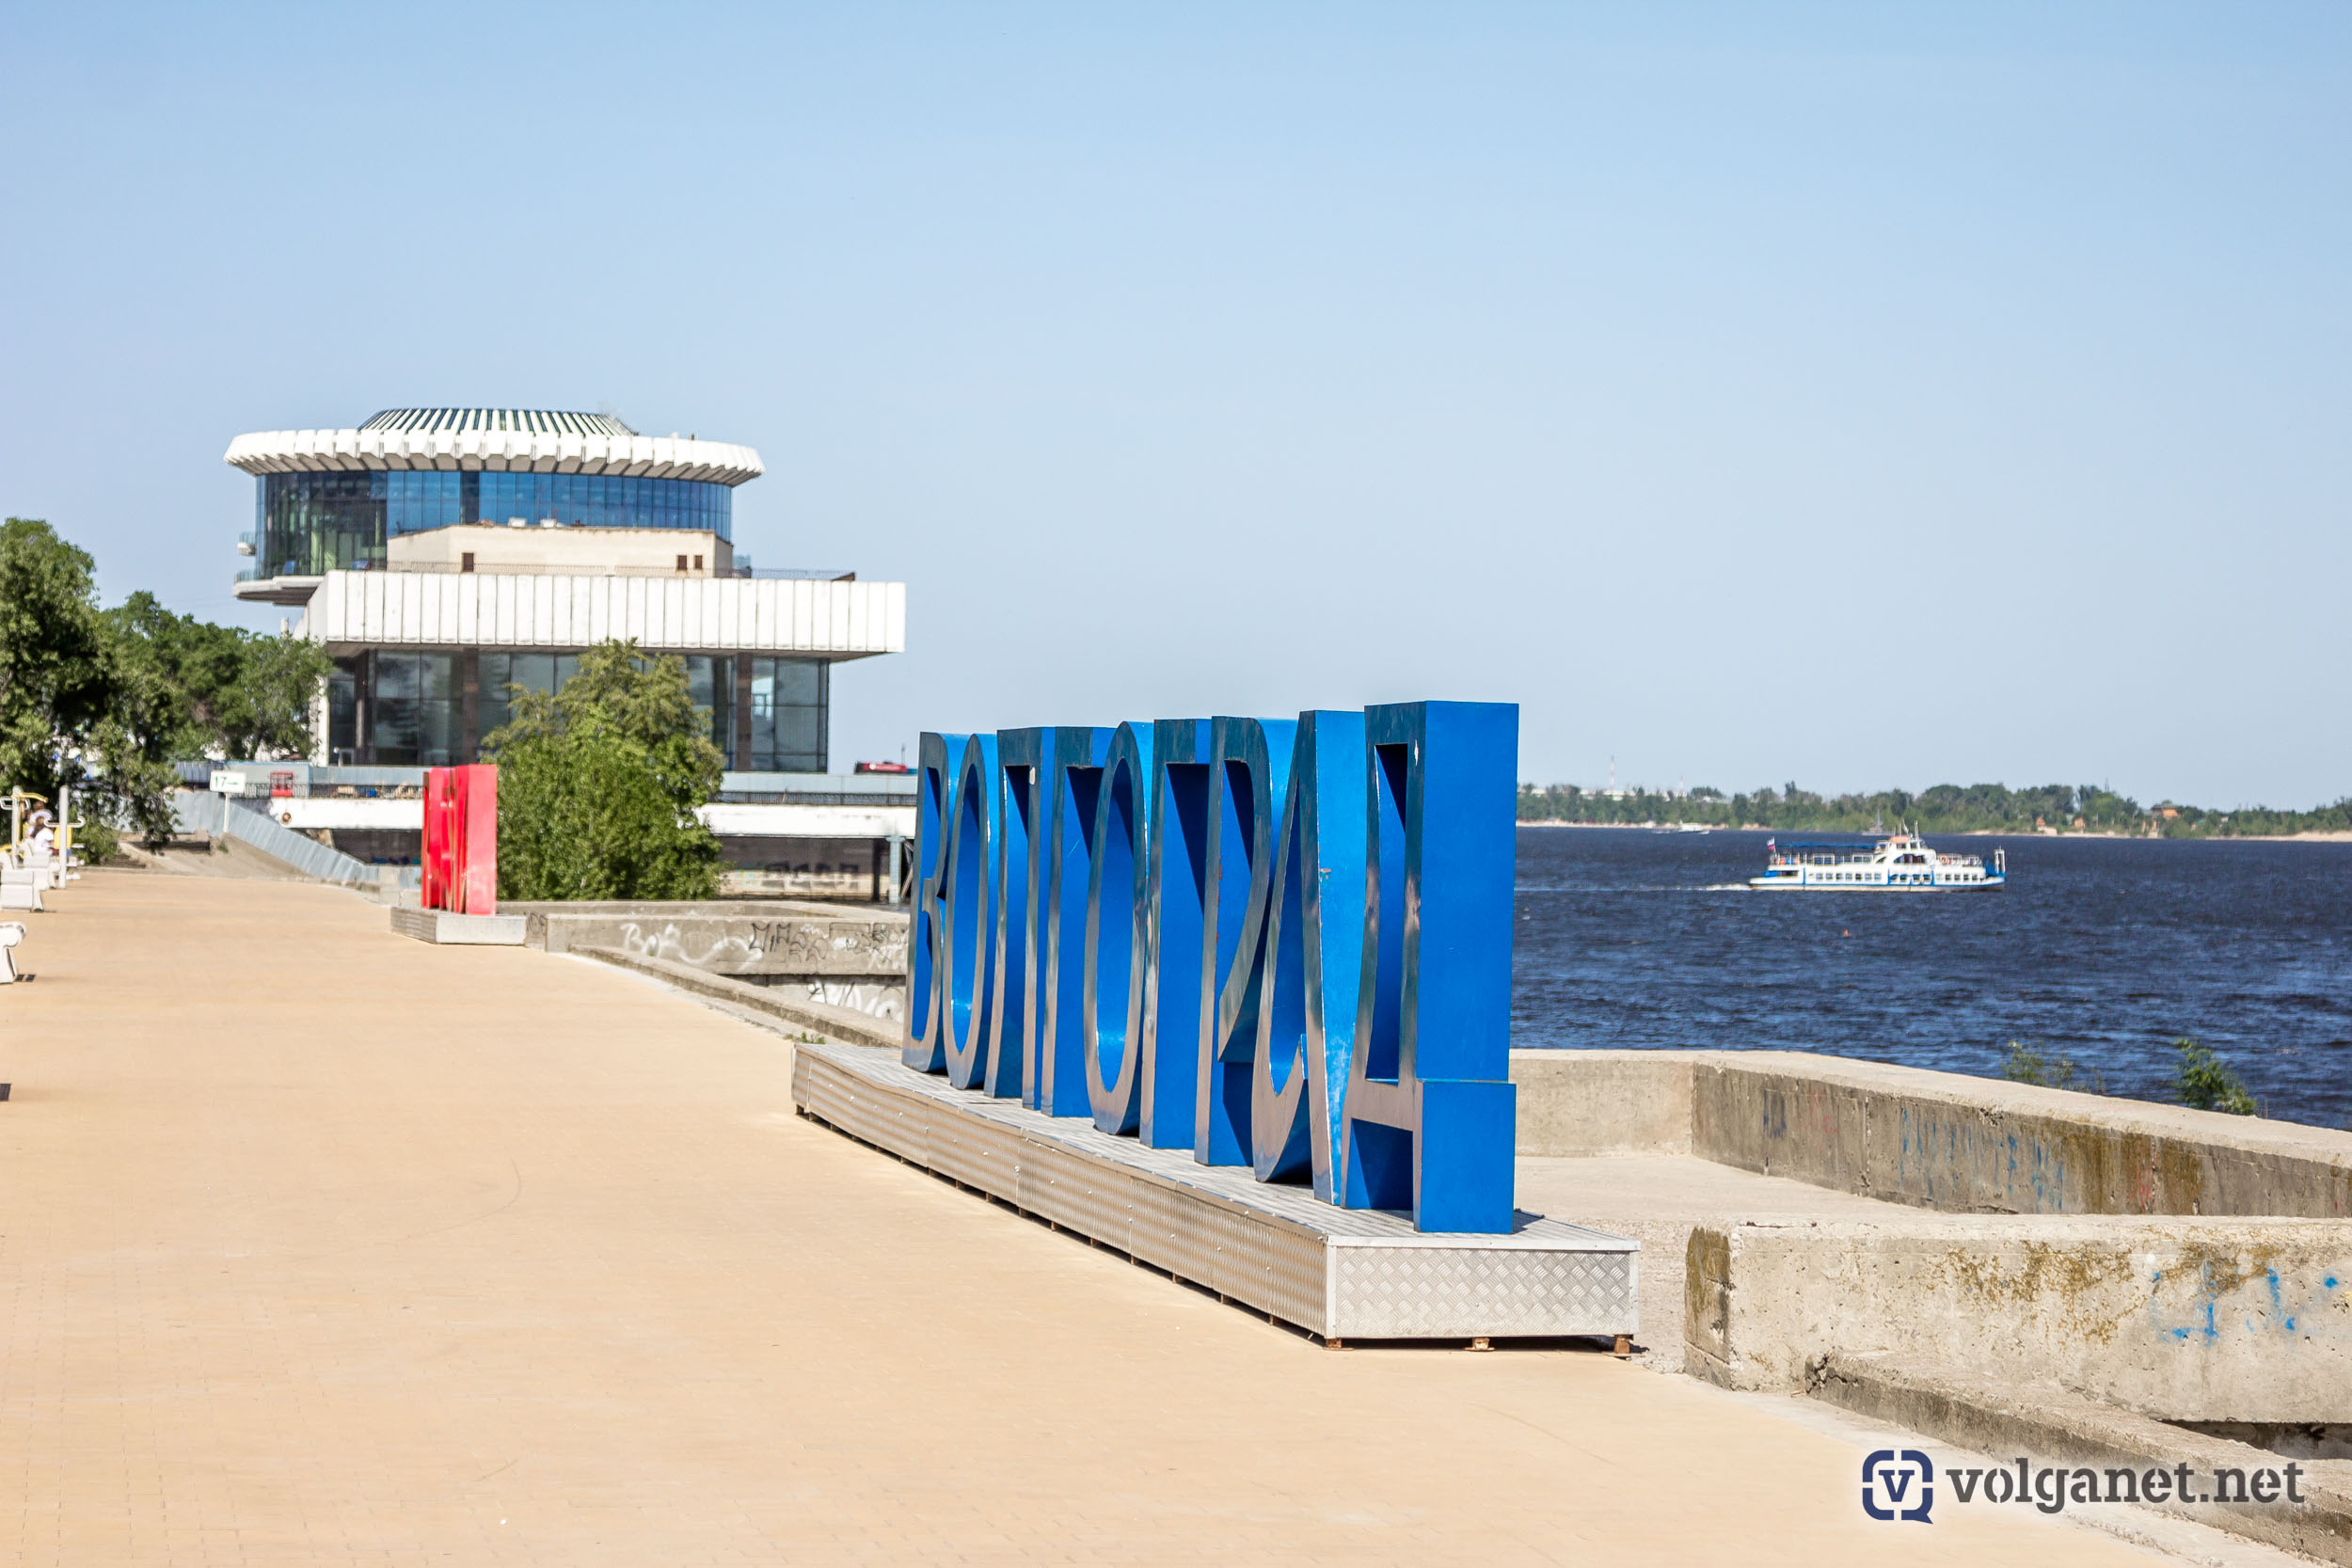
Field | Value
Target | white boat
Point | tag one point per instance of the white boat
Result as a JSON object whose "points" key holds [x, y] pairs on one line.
{"points": [[1900, 863]]}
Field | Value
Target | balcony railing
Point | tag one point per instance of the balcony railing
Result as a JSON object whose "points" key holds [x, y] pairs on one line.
{"points": [[452, 568]]}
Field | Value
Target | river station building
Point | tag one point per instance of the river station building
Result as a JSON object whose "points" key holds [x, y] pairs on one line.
{"points": [[448, 556]]}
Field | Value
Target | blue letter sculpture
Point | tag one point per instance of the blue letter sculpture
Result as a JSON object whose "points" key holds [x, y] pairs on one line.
{"points": [[1285, 946], [1314, 950]]}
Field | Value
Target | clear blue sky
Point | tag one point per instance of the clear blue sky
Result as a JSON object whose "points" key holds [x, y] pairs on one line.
{"points": [[1867, 395]]}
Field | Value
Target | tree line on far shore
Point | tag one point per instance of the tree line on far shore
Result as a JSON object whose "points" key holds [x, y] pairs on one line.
{"points": [[1945, 809]]}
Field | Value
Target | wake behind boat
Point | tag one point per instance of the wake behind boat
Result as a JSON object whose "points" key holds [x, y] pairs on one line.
{"points": [[1900, 863]]}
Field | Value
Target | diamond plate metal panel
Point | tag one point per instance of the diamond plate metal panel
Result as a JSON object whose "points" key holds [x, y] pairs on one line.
{"points": [[1406, 1292], [1277, 1249]]}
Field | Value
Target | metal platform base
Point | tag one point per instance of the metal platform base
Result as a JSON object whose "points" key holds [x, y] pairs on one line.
{"points": [[465, 930], [1337, 1272]]}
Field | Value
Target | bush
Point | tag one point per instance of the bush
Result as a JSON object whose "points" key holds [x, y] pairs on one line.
{"points": [[2204, 1082], [2027, 1063], [598, 785]]}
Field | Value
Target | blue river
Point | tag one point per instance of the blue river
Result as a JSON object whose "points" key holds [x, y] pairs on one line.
{"points": [[2103, 951]]}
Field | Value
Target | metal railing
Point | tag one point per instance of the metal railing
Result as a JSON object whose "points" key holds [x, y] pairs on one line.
{"points": [[249, 822], [808, 797], [544, 569]]}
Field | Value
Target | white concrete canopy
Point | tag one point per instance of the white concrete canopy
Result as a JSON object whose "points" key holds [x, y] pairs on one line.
{"points": [[556, 452], [832, 619]]}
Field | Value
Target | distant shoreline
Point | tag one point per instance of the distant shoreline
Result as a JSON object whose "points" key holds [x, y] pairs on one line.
{"points": [[2330, 836]]}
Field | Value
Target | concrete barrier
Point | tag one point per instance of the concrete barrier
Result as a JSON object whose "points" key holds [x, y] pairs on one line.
{"points": [[748, 940], [1586, 1102], [446, 929], [2176, 1319], [839, 1024], [1932, 1140]]}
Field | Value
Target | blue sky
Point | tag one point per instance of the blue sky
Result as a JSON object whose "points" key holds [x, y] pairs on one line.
{"points": [[1860, 395]]}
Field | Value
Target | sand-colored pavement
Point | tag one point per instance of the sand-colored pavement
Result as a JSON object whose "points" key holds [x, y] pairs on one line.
{"points": [[324, 1246]]}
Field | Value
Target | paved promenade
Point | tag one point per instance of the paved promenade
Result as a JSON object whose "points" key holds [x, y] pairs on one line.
{"points": [[323, 1247]]}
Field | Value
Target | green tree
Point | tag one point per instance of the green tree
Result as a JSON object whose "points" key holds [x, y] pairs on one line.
{"points": [[57, 682], [598, 785], [61, 686], [202, 689]]}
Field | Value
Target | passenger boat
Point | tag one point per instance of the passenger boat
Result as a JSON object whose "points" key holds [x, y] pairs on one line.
{"points": [[1900, 863]]}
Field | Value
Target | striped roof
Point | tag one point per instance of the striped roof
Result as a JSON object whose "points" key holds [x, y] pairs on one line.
{"points": [[539, 421]]}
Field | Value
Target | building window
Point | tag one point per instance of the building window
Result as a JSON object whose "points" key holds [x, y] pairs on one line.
{"points": [[343, 712], [787, 720], [501, 673], [310, 523], [709, 682], [414, 709]]}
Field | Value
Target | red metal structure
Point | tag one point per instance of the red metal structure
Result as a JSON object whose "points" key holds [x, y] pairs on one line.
{"points": [[461, 839]]}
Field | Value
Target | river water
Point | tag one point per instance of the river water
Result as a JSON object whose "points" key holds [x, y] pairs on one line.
{"points": [[2100, 950]]}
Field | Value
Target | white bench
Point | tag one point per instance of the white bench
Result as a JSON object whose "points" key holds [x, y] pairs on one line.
{"points": [[21, 887], [11, 932]]}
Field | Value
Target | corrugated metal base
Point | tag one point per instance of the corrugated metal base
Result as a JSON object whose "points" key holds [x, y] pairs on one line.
{"points": [[1338, 1272]]}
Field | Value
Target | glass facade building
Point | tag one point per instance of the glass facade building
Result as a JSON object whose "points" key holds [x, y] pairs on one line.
{"points": [[433, 709], [423, 677], [307, 524]]}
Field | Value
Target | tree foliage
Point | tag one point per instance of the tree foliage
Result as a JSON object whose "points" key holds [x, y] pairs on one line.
{"points": [[598, 785], [57, 675], [2027, 1063], [105, 700], [205, 690], [1943, 809]]}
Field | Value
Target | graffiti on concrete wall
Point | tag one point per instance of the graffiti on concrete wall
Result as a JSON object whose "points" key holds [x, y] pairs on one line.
{"points": [[828, 947]]}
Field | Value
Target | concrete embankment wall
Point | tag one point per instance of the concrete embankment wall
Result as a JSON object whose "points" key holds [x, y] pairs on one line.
{"points": [[1933, 1140], [745, 939], [1998, 1416], [847, 1025], [2177, 1319]]}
